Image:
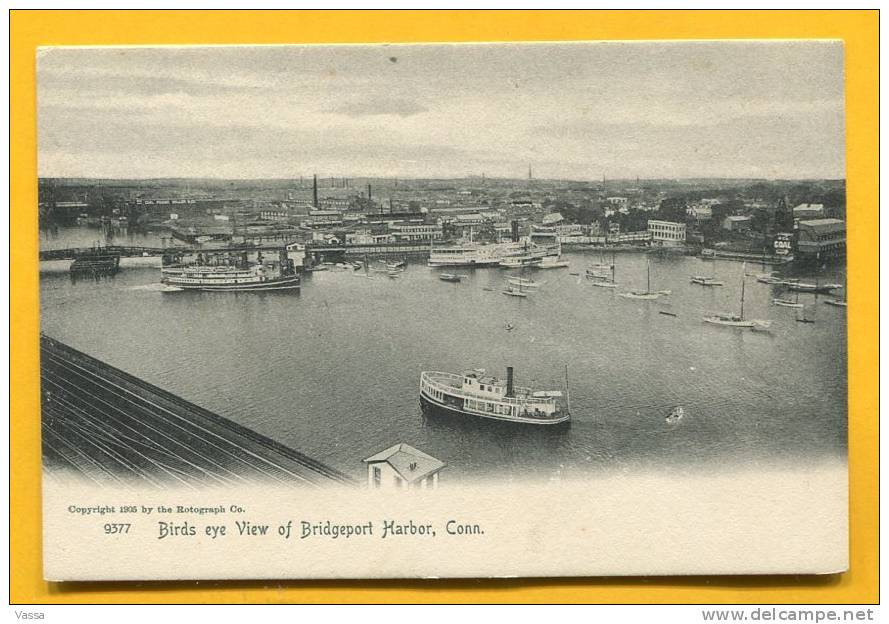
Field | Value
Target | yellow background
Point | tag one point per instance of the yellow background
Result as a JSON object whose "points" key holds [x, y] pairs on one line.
{"points": [[859, 30]]}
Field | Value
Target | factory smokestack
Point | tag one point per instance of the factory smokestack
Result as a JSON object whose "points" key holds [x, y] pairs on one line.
{"points": [[368, 193], [315, 190]]}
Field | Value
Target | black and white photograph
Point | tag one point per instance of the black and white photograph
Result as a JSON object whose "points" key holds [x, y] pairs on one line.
{"points": [[443, 310]]}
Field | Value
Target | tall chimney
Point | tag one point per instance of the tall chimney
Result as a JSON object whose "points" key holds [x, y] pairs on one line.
{"points": [[315, 190], [509, 389], [368, 193]]}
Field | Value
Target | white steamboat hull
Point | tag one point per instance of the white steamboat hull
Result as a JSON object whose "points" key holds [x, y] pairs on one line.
{"points": [[438, 405], [291, 282], [453, 401]]}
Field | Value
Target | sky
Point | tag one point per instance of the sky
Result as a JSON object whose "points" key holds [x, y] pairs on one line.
{"points": [[569, 110]]}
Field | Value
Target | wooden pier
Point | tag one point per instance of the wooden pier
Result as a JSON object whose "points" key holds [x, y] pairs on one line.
{"points": [[111, 428]]}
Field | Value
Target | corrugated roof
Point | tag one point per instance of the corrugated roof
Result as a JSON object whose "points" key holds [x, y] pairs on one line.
{"points": [[410, 463], [824, 225]]}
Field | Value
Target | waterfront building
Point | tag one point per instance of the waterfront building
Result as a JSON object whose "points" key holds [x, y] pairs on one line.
{"points": [[821, 239], [700, 212], [736, 223], [270, 215], [363, 238], [809, 211], [324, 218], [403, 467], [666, 233], [415, 231], [570, 229]]}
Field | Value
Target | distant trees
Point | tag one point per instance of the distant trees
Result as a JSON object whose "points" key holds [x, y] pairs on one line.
{"points": [[672, 209], [584, 214]]}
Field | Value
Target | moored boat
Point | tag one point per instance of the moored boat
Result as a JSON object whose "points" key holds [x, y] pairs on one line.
{"points": [[515, 291], [807, 287], [477, 395], [552, 262], [787, 303], [226, 274], [729, 319], [703, 280], [451, 277], [647, 294]]}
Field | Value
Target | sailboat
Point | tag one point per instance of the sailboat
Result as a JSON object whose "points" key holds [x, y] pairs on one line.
{"points": [[727, 319], [515, 291], [367, 268], [515, 285], [805, 317], [817, 287], [602, 265], [706, 280], [605, 282], [594, 271], [646, 294], [788, 303], [837, 302]]}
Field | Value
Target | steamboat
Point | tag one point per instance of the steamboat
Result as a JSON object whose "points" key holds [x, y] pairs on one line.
{"points": [[509, 254], [475, 394], [227, 272]]}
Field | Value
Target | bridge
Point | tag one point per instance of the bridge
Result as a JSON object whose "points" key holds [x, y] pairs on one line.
{"points": [[312, 248], [111, 250]]}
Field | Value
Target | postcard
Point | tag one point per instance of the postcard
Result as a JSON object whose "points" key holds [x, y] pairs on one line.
{"points": [[443, 310]]}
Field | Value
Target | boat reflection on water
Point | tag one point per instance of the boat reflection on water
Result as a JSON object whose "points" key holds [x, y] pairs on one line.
{"points": [[483, 438]]}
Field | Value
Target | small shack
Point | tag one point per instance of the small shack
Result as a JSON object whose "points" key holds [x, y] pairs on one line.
{"points": [[402, 466]]}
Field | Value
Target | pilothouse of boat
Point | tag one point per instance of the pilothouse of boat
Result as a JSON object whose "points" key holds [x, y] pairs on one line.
{"points": [[476, 394]]}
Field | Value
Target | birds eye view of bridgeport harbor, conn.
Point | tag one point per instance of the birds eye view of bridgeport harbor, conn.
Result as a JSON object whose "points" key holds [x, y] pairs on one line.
{"points": [[412, 266]]}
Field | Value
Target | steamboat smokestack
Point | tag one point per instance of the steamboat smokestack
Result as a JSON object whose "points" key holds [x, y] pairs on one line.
{"points": [[515, 231], [510, 391]]}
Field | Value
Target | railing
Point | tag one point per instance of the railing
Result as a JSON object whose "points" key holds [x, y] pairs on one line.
{"points": [[447, 388]]}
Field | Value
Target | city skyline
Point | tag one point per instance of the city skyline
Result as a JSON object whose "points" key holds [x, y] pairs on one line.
{"points": [[578, 111]]}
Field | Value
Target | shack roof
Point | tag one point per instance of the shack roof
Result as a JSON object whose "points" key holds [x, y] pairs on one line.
{"points": [[411, 464], [823, 226]]}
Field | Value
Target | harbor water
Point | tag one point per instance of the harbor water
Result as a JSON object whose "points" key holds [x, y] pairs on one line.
{"points": [[333, 370]]}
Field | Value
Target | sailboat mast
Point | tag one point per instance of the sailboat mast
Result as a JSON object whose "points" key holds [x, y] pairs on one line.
{"points": [[567, 391], [648, 279], [743, 281]]}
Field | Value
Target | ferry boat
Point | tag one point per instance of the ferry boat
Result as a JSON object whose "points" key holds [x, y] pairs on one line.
{"points": [[241, 275], [475, 394], [511, 254], [466, 255]]}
